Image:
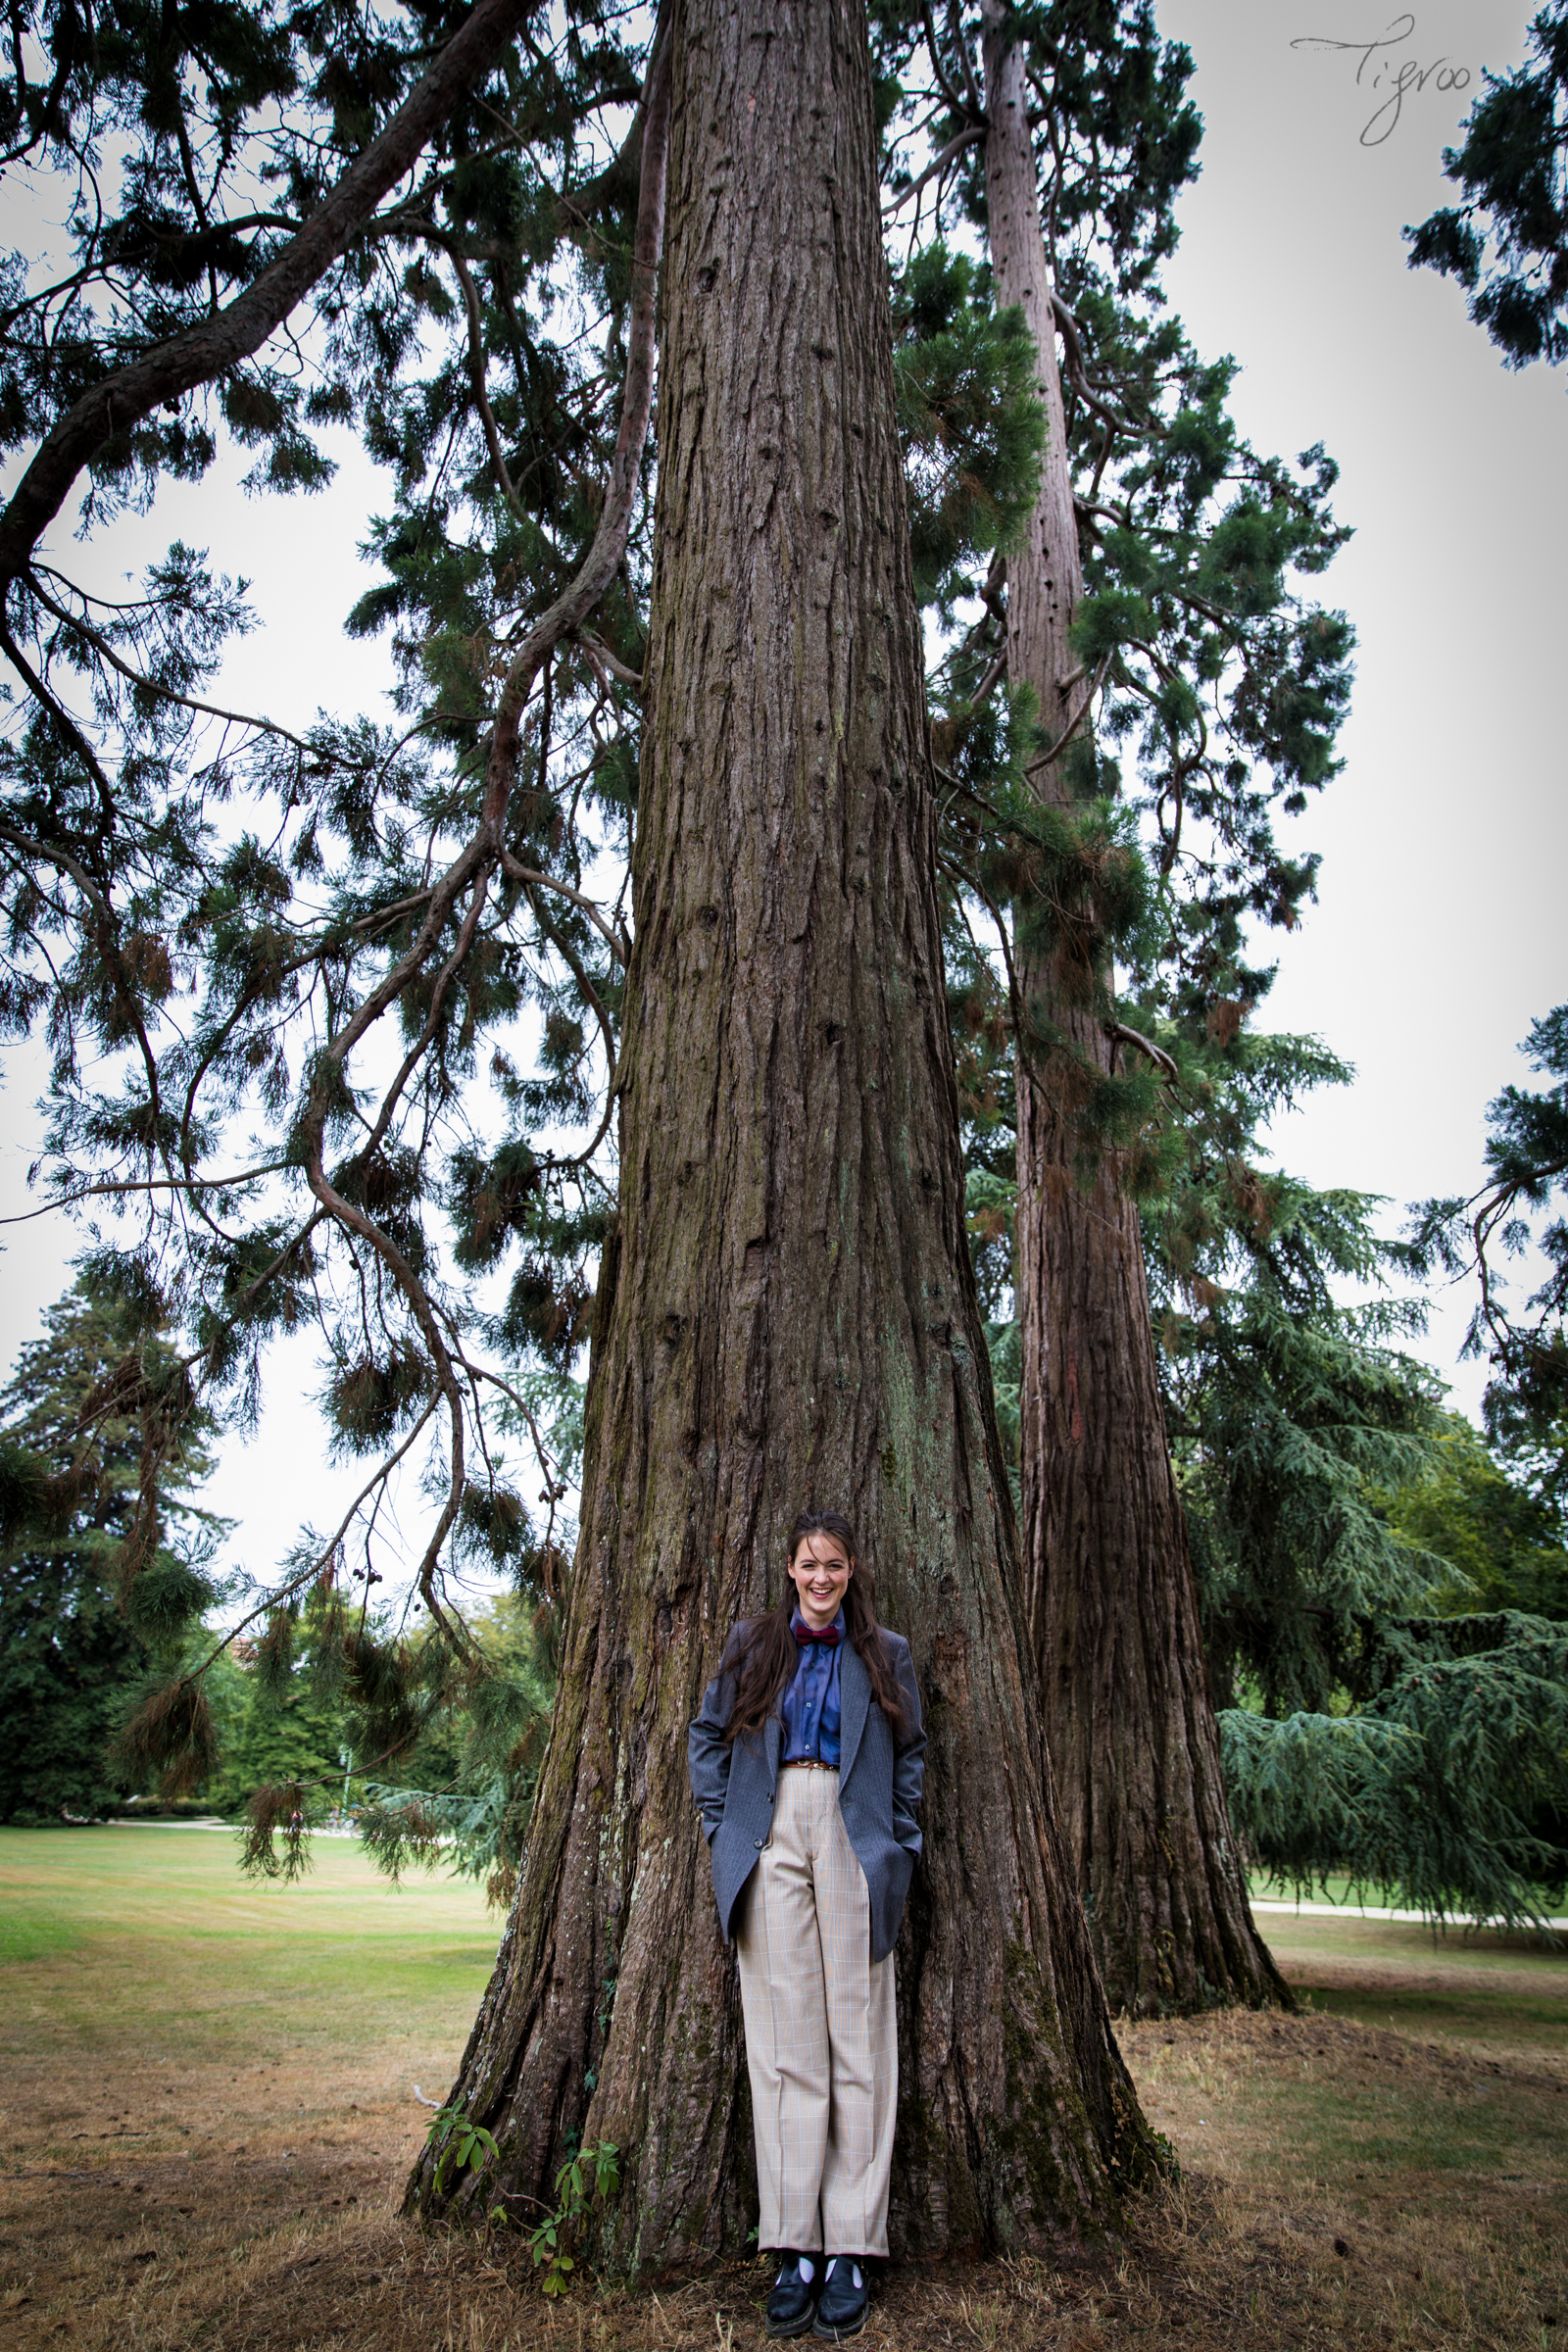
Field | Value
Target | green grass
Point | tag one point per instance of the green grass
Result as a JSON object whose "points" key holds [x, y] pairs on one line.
{"points": [[1343, 2114], [154, 1931], [1341, 1891], [208, 2117], [1474, 2015], [1502, 1991]]}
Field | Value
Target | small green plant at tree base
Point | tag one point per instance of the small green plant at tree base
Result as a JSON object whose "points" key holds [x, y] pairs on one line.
{"points": [[594, 2170], [470, 2147], [600, 2159]]}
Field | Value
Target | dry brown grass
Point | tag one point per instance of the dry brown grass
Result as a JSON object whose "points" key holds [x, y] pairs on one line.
{"points": [[1343, 2184]]}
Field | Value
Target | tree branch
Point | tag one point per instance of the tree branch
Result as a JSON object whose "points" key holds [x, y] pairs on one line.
{"points": [[618, 944], [176, 366], [574, 606], [1074, 722], [957, 105], [149, 1184], [1120, 1034], [938, 164]]}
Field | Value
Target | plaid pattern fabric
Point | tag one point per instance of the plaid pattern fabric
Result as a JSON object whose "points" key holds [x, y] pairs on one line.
{"points": [[821, 2033]]}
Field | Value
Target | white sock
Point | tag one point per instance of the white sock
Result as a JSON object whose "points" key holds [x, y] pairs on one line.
{"points": [[807, 2270], [855, 2270]]}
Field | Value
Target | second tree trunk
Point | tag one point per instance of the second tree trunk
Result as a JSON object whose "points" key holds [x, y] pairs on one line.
{"points": [[1107, 1578]]}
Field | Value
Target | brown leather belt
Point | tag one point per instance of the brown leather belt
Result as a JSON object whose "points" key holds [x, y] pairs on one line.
{"points": [[807, 1764]]}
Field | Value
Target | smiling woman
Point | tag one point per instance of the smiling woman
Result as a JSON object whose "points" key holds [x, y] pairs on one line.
{"points": [[807, 1765]]}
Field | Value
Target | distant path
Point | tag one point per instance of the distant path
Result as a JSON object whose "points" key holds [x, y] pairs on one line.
{"points": [[1457, 1919]]}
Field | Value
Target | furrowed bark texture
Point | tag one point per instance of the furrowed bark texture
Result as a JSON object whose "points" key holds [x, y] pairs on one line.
{"points": [[1107, 1577], [788, 1313]]}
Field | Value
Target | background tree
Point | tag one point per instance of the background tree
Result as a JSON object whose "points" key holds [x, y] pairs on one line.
{"points": [[1501, 1543], [464, 1796], [447, 1782], [1152, 580], [202, 907], [785, 1310], [1526, 1400], [1508, 243], [1436, 1784], [1363, 1734], [97, 1457]]}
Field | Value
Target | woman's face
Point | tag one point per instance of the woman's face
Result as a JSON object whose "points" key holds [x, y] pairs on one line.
{"points": [[821, 1570]]}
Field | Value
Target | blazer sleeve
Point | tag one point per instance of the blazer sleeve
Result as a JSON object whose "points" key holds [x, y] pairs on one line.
{"points": [[909, 1760], [709, 1752]]}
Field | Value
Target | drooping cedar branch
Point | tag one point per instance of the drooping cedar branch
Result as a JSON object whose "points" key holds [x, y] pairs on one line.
{"points": [[201, 353]]}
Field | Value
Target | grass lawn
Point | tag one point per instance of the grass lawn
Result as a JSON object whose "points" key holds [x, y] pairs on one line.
{"points": [[206, 2114], [149, 1931]]}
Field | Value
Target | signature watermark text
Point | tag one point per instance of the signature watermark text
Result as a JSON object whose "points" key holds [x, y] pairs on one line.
{"points": [[1379, 68]]}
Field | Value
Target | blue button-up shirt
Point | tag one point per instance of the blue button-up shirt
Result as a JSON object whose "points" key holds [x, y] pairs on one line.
{"points": [[811, 1707]]}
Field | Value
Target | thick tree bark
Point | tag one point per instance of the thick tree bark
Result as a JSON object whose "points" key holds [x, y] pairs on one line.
{"points": [[1107, 1578], [787, 1313]]}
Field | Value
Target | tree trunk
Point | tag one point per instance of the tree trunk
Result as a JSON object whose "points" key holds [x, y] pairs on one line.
{"points": [[788, 1314], [1107, 1581]]}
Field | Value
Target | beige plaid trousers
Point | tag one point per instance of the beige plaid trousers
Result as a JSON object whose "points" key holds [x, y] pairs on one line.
{"points": [[821, 2033]]}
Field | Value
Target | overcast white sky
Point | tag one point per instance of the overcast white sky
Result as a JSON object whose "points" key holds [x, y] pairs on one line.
{"points": [[1436, 939], [1439, 935]]}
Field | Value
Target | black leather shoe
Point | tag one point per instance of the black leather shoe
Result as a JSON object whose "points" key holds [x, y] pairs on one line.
{"points": [[841, 2307], [792, 2306]]}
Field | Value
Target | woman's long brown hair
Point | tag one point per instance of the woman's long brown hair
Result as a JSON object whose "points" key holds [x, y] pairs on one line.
{"points": [[763, 1654]]}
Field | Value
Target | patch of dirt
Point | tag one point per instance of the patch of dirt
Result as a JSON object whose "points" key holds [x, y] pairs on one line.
{"points": [[1341, 2187]]}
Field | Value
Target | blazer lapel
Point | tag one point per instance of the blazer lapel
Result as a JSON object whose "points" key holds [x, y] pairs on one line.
{"points": [[773, 1748], [855, 1698]]}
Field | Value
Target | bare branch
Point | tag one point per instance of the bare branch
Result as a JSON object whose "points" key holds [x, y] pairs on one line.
{"points": [[1075, 721], [481, 397], [149, 1184], [603, 558], [938, 164], [1120, 1034], [956, 105], [307, 1575], [600, 653], [164, 694], [619, 945]]}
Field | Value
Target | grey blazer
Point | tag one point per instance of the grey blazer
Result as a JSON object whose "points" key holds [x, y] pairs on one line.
{"points": [[879, 1787]]}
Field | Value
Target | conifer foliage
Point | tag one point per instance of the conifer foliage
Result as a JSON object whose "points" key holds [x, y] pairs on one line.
{"points": [[1508, 243], [1333, 1511], [105, 1559], [269, 963], [1517, 1211]]}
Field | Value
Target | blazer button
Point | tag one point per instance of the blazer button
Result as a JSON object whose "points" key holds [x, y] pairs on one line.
{"points": [[758, 1843]]}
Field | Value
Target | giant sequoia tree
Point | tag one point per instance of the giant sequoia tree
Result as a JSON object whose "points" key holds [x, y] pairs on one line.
{"points": [[786, 1310], [1113, 1610], [236, 930], [1145, 604]]}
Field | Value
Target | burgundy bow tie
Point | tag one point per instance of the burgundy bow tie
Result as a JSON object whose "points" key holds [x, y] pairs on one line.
{"points": [[828, 1635]]}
